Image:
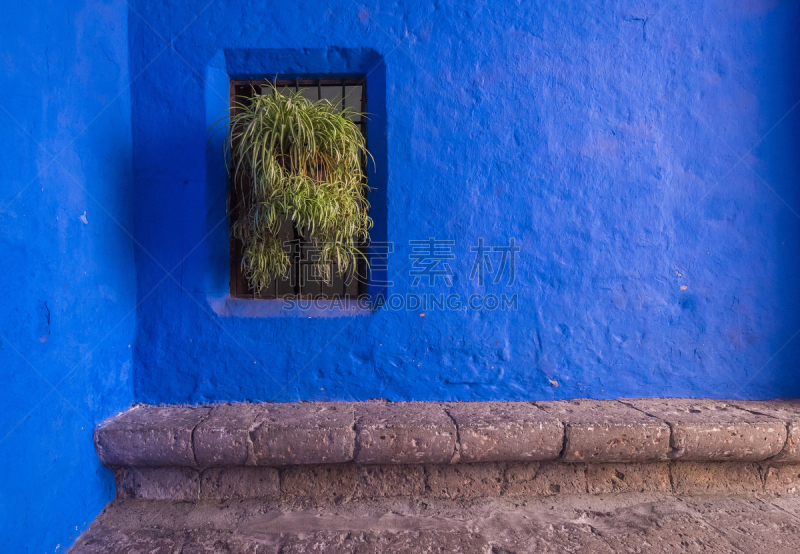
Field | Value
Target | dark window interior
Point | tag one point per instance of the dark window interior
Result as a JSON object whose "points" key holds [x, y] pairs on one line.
{"points": [[302, 281]]}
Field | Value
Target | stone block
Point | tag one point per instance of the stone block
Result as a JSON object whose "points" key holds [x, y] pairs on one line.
{"points": [[696, 478], [303, 433], [625, 478], [505, 431], [404, 433], [530, 479], [386, 481], [463, 481], [608, 431], [350, 481], [239, 482], [784, 479], [158, 483], [713, 430], [324, 482], [223, 438], [787, 412], [149, 436]]}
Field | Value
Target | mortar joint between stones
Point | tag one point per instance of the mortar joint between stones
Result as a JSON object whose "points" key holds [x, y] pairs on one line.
{"points": [[457, 443], [192, 438]]}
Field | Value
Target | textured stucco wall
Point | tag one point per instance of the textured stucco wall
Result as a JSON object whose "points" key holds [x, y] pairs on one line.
{"points": [[67, 316], [640, 152]]}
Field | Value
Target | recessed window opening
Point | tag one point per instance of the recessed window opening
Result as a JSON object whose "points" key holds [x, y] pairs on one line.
{"points": [[303, 280]]}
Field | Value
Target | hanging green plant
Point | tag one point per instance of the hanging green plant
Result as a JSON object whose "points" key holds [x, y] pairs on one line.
{"points": [[302, 160]]}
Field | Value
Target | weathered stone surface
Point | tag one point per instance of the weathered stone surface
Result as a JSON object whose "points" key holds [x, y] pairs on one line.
{"points": [[661, 526], [223, 438], [629, 523], [416, 432], [693, 478], [530, 479], [216, 541], [712, 430], [522, 533], [505, 432], [786, 411], [465, 480], [404, 433], [783, 479], [303, 433], [749, 524], [149, 436], [388, 481], [628, 478], [139, 541], [239, 482], [325, 482], [158, 483], [608, 431], [351, 481], [331, 542]]}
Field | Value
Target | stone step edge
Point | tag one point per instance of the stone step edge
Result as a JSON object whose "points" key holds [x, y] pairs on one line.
{"points": [[378, 432], [521, 480]]}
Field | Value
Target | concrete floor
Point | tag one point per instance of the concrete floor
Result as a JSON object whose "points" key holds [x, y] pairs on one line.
{"points": [[618, 523]]}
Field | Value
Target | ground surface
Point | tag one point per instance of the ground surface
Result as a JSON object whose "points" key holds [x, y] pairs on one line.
{"points": [[620, 523]]}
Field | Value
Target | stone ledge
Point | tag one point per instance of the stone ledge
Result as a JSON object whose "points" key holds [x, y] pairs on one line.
{"points": [[602, 431], [303, 433], [505, 432], [380, 433], [709, 430], [515, 480], [223, 438], [150, 436], [787, 411], [403, 433]]}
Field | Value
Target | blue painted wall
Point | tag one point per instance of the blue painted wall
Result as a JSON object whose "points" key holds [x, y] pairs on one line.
{"points": [[67, 317], [642, 154]]}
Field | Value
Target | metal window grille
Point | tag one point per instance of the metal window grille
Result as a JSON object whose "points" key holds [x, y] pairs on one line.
{"points": [[302, 281]]}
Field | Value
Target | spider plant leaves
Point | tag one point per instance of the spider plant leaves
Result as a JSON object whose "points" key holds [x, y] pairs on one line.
{"points": [[293, 158]]}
